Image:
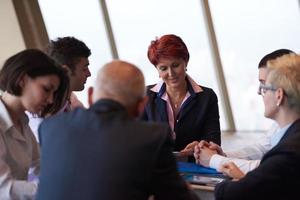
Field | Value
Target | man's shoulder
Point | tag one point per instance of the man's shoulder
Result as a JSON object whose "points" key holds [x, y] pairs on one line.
{"points": [[155, 127], [150, 130], [63, 118]]}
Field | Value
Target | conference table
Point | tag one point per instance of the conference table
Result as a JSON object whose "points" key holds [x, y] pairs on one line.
{"points": [[194, 173], [203, 192]]}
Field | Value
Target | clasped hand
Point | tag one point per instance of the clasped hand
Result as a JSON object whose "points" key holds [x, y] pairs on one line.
{"points": [[204, 151], [189, 149]]}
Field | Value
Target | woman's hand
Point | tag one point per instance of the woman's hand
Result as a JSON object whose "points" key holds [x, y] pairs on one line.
{"points": [[230, 169], [203, 153], [189, 149], [214, 146]]}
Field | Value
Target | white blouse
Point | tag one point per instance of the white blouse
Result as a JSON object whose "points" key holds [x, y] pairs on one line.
{"points": [[248, 158], [18, 153]]}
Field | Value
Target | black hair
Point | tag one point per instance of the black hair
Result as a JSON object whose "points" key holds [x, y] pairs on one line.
{"points": [[67, 51], [273, 55]]}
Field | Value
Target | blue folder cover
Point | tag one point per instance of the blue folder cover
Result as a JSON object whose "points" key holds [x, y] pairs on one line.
{"points": [[185, 167]]}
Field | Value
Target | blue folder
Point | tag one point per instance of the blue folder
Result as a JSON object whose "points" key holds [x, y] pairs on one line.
{"points": [[185, 167]]}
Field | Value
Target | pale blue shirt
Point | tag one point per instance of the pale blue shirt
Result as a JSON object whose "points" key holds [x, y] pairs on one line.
{"points": [[276, 137]]}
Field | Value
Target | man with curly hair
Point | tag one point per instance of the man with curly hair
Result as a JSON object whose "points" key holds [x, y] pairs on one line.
{"points": [[72, 54]]}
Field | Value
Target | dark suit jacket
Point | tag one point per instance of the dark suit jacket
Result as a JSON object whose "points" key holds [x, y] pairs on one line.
{"points": [[198, 118], [277, 177], [101, 153]]}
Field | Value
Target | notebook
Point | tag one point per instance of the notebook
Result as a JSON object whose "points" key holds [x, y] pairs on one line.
{"points": [[185, 167], [198, 174]]}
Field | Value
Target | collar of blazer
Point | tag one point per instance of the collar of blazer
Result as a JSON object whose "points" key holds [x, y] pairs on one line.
{"points": [[193, 87], [291, 136], [107, 105]]}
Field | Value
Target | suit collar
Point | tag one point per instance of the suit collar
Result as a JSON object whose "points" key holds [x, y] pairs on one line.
{"points": [[162, 106], [292, 129], [107, 105], [193, 87], [160, 88]]}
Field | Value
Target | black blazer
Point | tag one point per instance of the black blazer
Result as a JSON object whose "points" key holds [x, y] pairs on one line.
{"points": [[198, 118], [101, 153], [277, 176]]}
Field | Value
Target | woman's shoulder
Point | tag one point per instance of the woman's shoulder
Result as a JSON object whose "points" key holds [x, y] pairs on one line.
{"points": [[207, 92], [207, 89], [149, 89]]}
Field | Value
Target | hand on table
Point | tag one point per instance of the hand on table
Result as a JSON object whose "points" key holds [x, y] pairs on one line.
{"points": [[203, 153], [230, 169], [214, 146], [189, 149]]}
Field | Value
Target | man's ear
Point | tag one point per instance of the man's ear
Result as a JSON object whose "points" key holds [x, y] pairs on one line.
{"points": [[90, 95], [68, 70], [141, 105]]}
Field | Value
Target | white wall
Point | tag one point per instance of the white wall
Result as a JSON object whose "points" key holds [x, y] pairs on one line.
{"points": [[11, 40]]}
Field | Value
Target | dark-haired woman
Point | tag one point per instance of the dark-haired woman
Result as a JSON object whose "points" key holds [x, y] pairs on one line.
{"points": [[30, 81]]}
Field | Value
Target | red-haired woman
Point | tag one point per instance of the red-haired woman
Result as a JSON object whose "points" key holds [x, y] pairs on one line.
{"points": [[191, 110]]}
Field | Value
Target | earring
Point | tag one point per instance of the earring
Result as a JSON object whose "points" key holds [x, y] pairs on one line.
{"points": [[277, 104]]}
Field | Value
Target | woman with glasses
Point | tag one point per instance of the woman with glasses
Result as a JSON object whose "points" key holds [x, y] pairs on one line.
{"points": [[278, 175], [31, 81], [191, 110], [263, 88], [248, 157]]}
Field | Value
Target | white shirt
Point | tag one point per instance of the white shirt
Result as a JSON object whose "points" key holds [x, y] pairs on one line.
{"points": [[248, 158], [35, 121], [18, 152]]}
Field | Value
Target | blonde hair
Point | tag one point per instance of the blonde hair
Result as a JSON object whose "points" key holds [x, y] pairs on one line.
{"points": [[284, 72]]}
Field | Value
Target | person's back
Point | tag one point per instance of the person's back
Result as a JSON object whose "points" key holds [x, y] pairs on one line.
{"points": [[104, 153]]}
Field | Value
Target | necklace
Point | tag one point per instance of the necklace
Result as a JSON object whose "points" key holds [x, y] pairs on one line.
{"points": [[176, 98], [178, 103]]}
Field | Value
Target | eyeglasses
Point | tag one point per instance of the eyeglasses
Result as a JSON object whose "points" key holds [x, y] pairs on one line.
{"points": [[262, 89]]}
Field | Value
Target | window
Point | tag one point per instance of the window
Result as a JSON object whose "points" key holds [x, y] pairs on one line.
{"points": [[246, 31], [137, 22], [83, 20]]}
